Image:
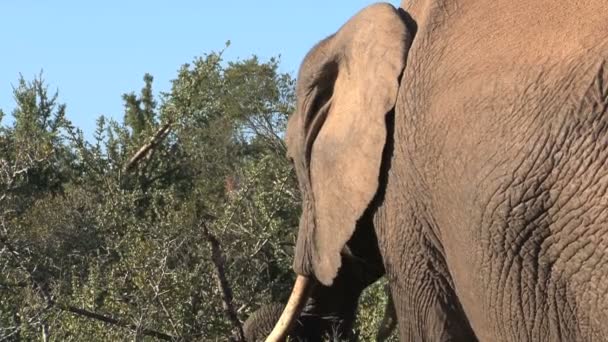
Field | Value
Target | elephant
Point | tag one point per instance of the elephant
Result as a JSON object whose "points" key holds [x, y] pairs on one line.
{"points": [[460, 149], [328, 311], [260, 323]]}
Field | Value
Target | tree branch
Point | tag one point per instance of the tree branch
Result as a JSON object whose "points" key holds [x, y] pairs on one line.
{"points": [[220, 273], [111, 320], [51, 303], [4, 285], [156, 139]]}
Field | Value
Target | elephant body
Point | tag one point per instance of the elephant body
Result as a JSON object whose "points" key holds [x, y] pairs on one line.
{"points": [[466, 142], [502, 166]]}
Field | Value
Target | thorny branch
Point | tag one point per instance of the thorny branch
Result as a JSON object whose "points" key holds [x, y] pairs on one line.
{"points": [[51, 303], [220, 273], [113, 321]]}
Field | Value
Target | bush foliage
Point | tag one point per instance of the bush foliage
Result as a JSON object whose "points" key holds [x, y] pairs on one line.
{"points": [[91, 249]]}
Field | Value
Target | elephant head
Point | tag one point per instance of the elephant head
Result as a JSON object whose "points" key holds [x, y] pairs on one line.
{"points": [[347, 85]]}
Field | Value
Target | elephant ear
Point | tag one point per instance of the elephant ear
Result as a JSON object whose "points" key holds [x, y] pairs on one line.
{"points": [[346, 86]]}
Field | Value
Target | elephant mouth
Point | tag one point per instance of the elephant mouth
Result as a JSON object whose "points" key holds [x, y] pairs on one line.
{"points": [[299, 295]]}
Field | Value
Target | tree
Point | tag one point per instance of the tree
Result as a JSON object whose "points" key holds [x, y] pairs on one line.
{"points": [[166, 225]]}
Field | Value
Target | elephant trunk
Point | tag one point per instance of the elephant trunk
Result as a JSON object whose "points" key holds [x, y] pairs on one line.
{"points": [[297, 300]]}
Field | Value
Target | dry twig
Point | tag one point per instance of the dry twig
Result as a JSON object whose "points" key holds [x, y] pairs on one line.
{"points": [[220, 273], [156, 139]]}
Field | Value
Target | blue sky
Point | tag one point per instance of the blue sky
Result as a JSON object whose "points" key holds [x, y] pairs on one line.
{"points": [[93, 52]]}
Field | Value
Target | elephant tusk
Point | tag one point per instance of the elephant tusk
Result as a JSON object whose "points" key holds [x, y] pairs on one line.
{"points": [[297, 299]]}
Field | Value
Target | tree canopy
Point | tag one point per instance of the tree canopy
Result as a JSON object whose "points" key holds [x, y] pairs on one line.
{"points": [[172, 224]]}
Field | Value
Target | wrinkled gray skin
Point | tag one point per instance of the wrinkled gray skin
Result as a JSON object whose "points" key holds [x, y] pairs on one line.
{"points": [[260, 323], [461, 147]]}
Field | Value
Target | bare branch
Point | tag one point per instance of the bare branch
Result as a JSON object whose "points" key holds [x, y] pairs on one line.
{"points": [[111, 320], [220, 273], [156, 139]]}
